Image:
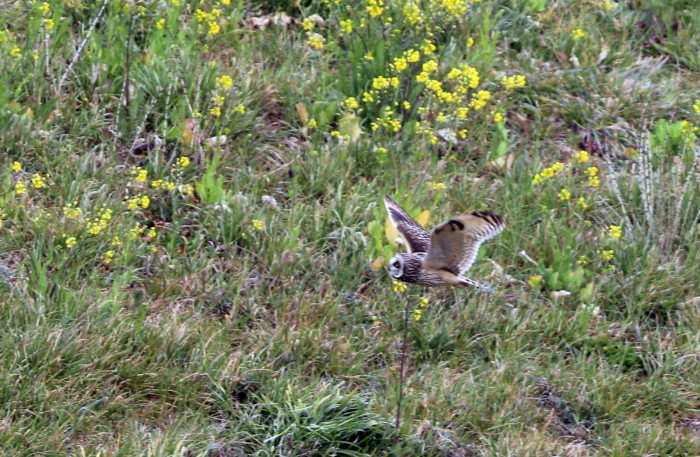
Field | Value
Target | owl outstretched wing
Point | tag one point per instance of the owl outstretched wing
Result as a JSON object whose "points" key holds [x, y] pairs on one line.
{"points": [[416, 237], [455, 244]]}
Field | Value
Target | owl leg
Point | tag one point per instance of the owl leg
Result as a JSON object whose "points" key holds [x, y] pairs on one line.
{"points": [[461, 281]]}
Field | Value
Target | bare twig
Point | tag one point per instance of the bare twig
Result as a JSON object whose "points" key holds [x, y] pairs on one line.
{"points": [[78, 51]]}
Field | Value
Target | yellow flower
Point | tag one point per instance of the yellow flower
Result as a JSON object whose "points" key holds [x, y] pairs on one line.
{"points": [[240, 109], [44, 8], [498, 117], [417, 314], [257, 224], [183, 162], [369, 57], [513, 82], [614, 231], [434, 185], [534, 281], [71, 211], [116, 241], [312, 124], [412, 56], [594, 181], [335, 133], [346, 26], [591, 171], [582, 260], [406, 105], [470, 42], [428, 47], [316, 41], [351, 103], [581, 157], [224, 81], [607, 4], [152, 232], [537, 179], [375, 7], [16, 167], [38, 181], [400, 64], [108, 256], [399, 286], [557, 167], [607, 254], [696, 106], [423, 302], [15, 52], [547, 173], [139, 174], [20, 188], [144, 201], [463, 133], [215, 111], [581, 203], [367, 97], [70, 241], [380, 82], [564, 195], [214, 28], [308, 24], [48, 23], [381, 151], [578, 34]]}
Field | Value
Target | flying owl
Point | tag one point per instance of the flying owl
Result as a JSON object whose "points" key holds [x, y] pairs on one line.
{"points": [[441, 257]]}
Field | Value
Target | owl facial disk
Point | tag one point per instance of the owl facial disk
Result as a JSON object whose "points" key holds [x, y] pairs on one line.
{"points": [[396, 267]]}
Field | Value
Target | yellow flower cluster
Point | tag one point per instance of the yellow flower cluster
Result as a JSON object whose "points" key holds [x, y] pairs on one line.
{"points": [[316, 41], [20, 188], [696, 106], [72, 211], [434, 185], [100, 222], [346, 26], [38, 181], [161, 184], [375, 7], [513, 82], [351, 103], [580, 157], [16, 167], [70, 241], [139, 174], [257, 225], [133, 203], [224, 81], [399, 286], [479, 99], [564, 195], [614, 231], [548, 173], [108, 256], [182, 162], [578, 34]]}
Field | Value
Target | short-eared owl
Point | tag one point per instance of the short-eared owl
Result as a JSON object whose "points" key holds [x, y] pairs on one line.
{"points": [[441, 257]]}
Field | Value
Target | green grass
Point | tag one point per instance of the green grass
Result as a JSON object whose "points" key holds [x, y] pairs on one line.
{"points": [[238, 310]]}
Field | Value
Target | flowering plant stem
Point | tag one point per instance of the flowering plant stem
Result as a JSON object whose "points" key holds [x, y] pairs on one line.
{"points": [[402, 363]]}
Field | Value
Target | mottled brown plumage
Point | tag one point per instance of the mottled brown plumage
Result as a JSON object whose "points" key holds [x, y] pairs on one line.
{"points": [[443, 256]]}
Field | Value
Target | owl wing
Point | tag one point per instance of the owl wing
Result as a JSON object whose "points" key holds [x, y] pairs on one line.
{"points": [[455, 244], [416, 237]]}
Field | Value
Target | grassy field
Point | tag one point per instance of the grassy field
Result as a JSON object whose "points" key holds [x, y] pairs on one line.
{"points": [[193, 239]]}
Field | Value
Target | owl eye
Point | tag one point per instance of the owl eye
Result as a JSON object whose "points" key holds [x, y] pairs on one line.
{"points": [[397, 264]]}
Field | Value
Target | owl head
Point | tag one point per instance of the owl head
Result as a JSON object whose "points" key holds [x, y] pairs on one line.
{"points": [[405, 267]]}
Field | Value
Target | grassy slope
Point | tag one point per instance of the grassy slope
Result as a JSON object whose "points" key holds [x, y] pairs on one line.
{"points": [[214, 335]]}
